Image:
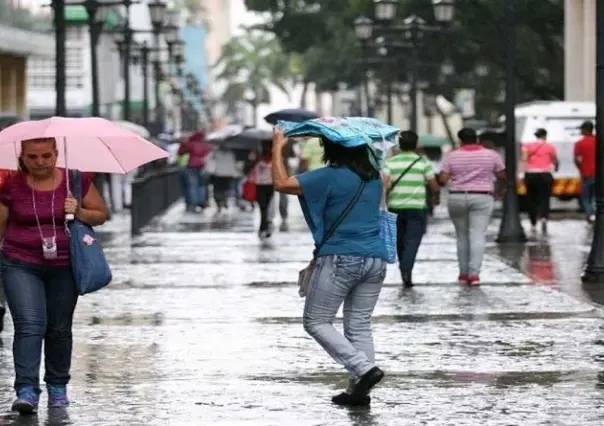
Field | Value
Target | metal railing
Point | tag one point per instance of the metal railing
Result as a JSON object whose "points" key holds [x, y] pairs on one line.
{"points": [[19, 16], [152, 194]]}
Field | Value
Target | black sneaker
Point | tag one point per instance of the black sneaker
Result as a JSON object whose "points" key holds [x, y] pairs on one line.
{"points": [[348, 400], [367, 382]]}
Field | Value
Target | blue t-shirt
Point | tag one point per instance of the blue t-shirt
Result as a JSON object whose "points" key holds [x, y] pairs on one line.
{"points": [[326, 192]]}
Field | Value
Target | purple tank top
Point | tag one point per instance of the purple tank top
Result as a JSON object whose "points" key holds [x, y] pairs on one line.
{"points": [[22, 240]]}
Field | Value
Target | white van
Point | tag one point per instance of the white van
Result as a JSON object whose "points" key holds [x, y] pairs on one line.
{"points": [[561, 120]]}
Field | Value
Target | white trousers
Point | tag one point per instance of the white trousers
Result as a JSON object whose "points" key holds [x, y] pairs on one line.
{"points": [[121, 190]]}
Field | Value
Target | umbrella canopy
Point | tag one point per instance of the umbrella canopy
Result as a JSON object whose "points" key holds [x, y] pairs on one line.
{"points": [[134, 128], [221, 134], [246, 140], [295, 114], [90, 144], [432, 141]]}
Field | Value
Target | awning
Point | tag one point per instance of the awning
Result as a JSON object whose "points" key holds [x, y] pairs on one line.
{"points": [[16, 41]]}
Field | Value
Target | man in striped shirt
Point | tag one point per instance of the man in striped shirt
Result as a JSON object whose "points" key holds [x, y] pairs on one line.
{"points": [[408, 173]]}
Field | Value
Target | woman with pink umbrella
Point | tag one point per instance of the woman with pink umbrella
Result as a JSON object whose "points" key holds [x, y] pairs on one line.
{"points": [[38, 273]]}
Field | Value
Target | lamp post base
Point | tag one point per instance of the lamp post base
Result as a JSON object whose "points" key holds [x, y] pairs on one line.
{"points": [[593, 275], [594, 269], [510, 230]]}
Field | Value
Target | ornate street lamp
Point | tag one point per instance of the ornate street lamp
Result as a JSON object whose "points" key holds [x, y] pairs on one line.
{"points": [[363, 28], [444, 10], [123, 40], [158, 11], [385, 10], [97, 15], [510, 229]]}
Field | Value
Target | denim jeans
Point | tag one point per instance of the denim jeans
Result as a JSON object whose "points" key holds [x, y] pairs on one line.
{"points": [[588, 194], [41, 301], [283, 206], [410, 229], [356, 282], [196, 192], [470, 214]]}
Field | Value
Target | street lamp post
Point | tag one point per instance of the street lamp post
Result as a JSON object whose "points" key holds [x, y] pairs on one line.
{"points": [[143, 56], [510, 229], [594, 270], [158, 11], [60, 25], [413, 27], [96, 19], [363, 27]]}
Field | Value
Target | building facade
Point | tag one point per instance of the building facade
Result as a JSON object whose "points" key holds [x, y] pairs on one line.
{"points": [[579, 50], [16, 46], [41, 72]]}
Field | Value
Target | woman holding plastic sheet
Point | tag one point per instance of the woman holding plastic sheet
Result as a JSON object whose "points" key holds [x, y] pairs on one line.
{"points": [[341, 202], [40, 290]]}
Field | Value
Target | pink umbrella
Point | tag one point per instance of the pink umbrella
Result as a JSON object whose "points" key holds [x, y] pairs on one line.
{"points": [[90, 144]]}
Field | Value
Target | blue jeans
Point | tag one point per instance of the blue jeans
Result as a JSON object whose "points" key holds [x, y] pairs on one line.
{"points": [[196, 187], [410, 229], [41, 301], [356, 282], [588, 194]]}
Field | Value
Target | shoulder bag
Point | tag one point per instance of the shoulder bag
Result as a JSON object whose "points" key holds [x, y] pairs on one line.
{"points": [[89, 266], [305, 274]]}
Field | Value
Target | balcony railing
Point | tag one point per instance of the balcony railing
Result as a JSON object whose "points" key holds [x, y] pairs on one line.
{"points": [[15, 14]]}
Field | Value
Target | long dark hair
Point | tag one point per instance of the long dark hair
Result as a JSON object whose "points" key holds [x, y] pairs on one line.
{"points": [[356, 159]]}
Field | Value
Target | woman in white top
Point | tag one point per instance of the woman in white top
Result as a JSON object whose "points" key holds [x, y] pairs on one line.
{"points": [[222, 165], [262, 176]]}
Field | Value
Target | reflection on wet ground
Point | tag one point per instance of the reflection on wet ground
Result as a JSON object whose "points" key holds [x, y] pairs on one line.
{"points": [[202, 325]]}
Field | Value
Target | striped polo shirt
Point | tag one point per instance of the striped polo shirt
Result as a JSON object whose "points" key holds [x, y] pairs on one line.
{"points": [[410, 190], [472, 168]]}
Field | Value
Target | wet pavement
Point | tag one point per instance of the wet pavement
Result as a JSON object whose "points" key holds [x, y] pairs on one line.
{"points": [[202, 325]]}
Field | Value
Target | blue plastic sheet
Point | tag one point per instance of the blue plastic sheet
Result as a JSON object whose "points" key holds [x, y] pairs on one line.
{"points": [[347, 131]]}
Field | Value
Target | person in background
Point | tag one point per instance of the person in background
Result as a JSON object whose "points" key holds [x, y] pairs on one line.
{"points": [[311, 157], [469, 172], [288, 154], [38, 281], [195, 150], [121, 190], [262, 176], [431, 201], [350, 266], [408, 175], [585, 160], [222, 164], [539, 160]]}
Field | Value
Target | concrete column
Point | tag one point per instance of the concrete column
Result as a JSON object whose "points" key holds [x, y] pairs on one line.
{"points": [[1, 85], [12, 86], [589, 50], [21, 87], [573, 49]]}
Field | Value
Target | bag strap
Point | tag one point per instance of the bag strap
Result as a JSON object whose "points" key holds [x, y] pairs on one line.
{"points": [[340, 218], [535, 151], [403, 174]]}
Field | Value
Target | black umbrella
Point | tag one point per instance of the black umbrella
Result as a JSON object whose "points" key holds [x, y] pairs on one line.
{"points": [[296, 115], [248, 140]]}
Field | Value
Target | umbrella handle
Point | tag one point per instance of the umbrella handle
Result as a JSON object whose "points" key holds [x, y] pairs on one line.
{"points": [[69, 217]]}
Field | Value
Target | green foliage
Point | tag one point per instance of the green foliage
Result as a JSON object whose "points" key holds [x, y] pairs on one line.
{"points": [[251, 64], [322, 32]]}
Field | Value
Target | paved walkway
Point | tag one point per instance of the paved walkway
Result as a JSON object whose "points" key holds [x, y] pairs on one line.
{"points": [[202, 325]]}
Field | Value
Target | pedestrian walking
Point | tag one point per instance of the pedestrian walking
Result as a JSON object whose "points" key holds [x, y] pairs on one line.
{"points": [[288, 154], [262, 176], [585, 160], [408, 175], [341, 205], [311, 156], [469, 172], [539, 160], [38, 281], [194, 152], [221, 164]]}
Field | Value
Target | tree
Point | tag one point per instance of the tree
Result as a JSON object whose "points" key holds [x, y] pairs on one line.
{"points": [[323, 30], [251, 64]]}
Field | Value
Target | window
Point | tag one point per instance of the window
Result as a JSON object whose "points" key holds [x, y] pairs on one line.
{"points": [[75, 81], [73, 58]]}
